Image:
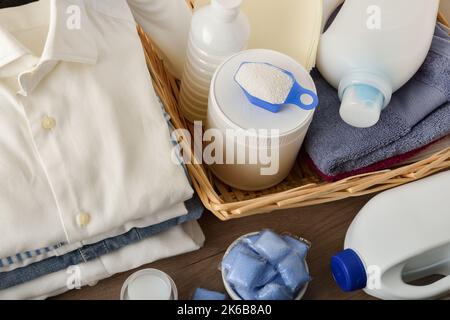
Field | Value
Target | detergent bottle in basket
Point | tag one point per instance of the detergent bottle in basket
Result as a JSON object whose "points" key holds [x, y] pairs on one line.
{"points": [[218, 31], [399, 242], [167, 23], [372, 48]]}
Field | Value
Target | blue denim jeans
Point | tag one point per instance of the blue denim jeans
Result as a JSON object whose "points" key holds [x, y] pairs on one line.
{"points": [[96, 250]]}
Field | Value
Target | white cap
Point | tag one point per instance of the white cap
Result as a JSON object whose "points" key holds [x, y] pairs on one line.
{"points": [[364, 94], [361, 105], [149, 284], [228, 9], [227, 4]]}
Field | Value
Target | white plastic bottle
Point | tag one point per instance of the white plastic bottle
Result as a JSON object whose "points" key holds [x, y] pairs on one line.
{"points": [[400, 236], [372, 49], [218, 31], [329, 6], [167, 23]]}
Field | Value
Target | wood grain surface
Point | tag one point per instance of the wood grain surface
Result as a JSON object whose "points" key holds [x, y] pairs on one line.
{"points": [[325, 226]]}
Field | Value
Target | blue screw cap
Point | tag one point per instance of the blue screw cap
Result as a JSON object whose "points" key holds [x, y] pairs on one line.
{"points": [[348, 271]]}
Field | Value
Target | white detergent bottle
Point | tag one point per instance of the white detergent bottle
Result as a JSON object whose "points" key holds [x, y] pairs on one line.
{"points": [[373, 48], [398, 241], [218, 31], [329, 6], [167, 23]]}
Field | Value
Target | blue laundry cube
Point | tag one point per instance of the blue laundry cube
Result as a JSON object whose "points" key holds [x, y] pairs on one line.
{"points": [[246, 293], [293, 271], [271, 246], [245, 270], [228, 260], [204, 294], [298, 246], [274, 291], [268, 275]]}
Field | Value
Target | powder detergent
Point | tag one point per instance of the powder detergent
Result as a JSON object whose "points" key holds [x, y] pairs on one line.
{"points": [[265, 82]]}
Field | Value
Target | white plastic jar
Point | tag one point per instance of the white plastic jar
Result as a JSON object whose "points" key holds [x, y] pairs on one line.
{"points": [[149, 284], [278, 136]]}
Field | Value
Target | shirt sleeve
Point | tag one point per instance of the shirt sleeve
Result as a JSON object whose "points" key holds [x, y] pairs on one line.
{"points": [[167, 23]]}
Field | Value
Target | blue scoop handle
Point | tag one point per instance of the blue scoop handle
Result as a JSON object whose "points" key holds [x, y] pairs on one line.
{"points": [[296, 94]]}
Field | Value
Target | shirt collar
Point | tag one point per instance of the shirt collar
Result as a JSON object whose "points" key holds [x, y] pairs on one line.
{"points": [[69, 37]]}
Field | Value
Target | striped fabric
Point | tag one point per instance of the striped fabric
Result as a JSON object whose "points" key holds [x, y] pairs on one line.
{"points": [[33, 255]]}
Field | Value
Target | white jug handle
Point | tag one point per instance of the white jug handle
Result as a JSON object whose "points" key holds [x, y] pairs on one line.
{"points": [[402, 290]]}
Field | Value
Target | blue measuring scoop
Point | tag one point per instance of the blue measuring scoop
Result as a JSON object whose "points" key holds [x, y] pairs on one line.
{"points": [[299, 96]]}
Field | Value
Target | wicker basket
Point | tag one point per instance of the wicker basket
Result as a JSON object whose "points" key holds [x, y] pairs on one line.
{"points": [[301, 188]]}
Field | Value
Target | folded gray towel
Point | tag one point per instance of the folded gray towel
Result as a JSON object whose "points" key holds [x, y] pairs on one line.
{"points": [[418, 114]]}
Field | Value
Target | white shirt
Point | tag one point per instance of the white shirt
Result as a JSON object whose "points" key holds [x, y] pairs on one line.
{"points": [[178, 240], [84, 146], [24, 259]]}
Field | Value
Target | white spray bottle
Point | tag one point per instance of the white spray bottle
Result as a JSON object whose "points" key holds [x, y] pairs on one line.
{"points": [[373, 48]]}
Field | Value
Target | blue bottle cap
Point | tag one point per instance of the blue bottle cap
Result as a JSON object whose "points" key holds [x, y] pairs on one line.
{"points": [[348, 271]]}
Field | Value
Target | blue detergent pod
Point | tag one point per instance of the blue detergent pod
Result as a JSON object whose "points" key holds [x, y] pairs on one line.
{"points": [[228, 260], [246, 293], [298, 246], [204, 294], [269, 274], [298, 95], [250, 240], [293, 271], [274, 291], [246, 270], [271, 247]]}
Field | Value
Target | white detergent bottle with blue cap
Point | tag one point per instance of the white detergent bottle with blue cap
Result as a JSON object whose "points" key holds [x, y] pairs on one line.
{"points": [[372, 48], [398, 246]]}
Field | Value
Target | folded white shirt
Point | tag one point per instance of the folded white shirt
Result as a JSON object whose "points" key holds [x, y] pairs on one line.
{"points": [[178, 240], [26, 258], [84, 146]]}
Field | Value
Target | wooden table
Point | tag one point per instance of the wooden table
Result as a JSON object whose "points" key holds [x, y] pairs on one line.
{"points": [[325, 226]]}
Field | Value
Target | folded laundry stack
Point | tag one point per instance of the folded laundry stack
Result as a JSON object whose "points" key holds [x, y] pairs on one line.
{"points": [[418, 115], [88, 180]]}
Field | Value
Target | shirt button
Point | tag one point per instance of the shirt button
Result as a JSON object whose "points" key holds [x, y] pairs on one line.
{"points": [[48, 123], [83, 219]]}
